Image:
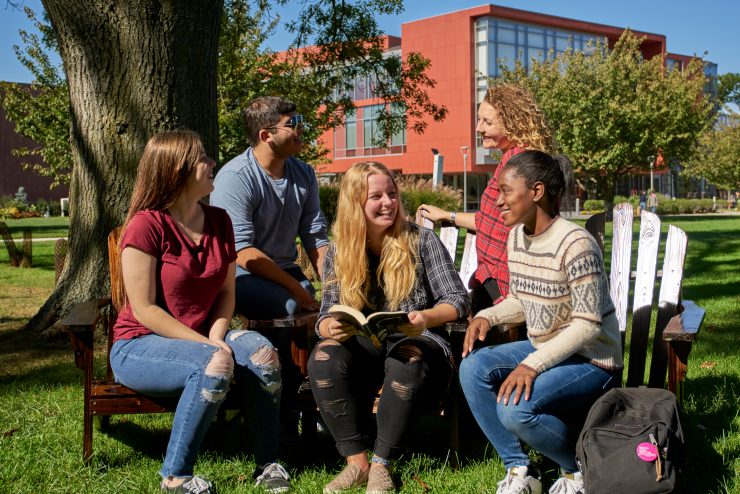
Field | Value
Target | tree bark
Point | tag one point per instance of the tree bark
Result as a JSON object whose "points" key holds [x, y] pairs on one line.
{"points": [[134, 68]]}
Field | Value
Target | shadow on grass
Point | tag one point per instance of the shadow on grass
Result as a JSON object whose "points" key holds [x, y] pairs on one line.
{"points": [[28, 358], [710, 410]]}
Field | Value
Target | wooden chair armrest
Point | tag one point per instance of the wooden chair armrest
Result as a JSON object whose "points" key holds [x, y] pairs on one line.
{"points": [[303, 319], [461, 325], [686, 325], [83, 315]]}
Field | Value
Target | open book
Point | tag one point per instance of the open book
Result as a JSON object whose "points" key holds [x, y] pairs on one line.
{"points": [[376, 326]]}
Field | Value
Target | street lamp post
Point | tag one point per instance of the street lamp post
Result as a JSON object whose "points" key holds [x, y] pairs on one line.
{"points": [[464, 152], [652, 163]]}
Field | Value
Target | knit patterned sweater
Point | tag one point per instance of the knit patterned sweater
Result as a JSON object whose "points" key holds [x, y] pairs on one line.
{"points": [[559, 287]]}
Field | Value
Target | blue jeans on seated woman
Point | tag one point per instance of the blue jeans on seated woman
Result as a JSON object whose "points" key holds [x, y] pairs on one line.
{"points": [[260, 298], [562, 391], [158, 366]]}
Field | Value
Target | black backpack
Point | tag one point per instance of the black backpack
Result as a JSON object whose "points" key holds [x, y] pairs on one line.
{"points": [[631, 442]]}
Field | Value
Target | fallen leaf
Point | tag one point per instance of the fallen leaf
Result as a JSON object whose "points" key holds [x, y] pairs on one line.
{"points": [[708, 365], [423, 484], [10, 432]]}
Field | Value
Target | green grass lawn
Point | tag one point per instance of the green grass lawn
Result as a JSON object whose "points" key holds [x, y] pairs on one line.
{"points": [[41, 403], [40, 227]]}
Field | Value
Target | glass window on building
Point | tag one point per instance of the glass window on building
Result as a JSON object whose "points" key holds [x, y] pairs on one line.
{"points": [[369, 124], [508, 42], [351, 132], [348, 143]]}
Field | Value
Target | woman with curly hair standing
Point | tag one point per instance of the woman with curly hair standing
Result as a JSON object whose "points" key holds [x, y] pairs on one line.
{"points": [[509, 120]]}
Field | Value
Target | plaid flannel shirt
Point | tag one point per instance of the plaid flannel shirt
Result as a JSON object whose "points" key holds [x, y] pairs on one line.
{"points": [[492, 234], [437, 282]]}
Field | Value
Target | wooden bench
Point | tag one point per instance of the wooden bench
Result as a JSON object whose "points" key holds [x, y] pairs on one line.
{"points": [[104, 397], [678, 321]]}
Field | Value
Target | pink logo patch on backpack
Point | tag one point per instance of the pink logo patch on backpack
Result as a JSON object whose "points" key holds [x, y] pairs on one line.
{"points": [[647, 452]]}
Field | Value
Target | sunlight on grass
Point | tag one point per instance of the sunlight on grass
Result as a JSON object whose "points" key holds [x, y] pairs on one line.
{"points": [[41, 403]]}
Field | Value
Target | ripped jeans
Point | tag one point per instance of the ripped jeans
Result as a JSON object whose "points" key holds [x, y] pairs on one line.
{"points": [[159, 366], [345, 378]]}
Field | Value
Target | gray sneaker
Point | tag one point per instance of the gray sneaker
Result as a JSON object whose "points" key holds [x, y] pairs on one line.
{"points": [[273, 478], [194, 485]]}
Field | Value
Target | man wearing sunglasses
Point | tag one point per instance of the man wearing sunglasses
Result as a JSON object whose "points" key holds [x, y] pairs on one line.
{"points": [[272, 198]]}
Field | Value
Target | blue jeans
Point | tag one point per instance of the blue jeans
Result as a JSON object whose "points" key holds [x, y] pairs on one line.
{"points": [[259, 298], [566, 390], [158, 366]]}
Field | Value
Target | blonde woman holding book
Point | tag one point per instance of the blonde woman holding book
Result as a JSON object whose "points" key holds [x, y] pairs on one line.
{"points": [[379, 261]]}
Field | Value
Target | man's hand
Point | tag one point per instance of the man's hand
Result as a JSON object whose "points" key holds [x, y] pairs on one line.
{"points": [[477, 330], [305, 300], [520, 380], [416, 325]]}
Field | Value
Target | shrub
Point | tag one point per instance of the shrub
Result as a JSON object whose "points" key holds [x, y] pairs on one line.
{"points": [[633, 200], [42, 205], [593, 205], [55, 209], [328, 195], [415, 192], [21, 198]]}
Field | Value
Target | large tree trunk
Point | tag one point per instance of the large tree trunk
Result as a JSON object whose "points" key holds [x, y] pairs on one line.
{"points": [[134, 68]]}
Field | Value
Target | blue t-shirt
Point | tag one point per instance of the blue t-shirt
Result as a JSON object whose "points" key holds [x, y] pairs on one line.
{"points": [[269, 214]]}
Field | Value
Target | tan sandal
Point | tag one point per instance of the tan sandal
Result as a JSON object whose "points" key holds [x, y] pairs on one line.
{"points": [[380, 481], [352, 476]]}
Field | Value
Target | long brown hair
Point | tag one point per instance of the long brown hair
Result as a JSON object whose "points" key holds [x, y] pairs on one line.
{"points": [[168, 159], [397, 269]]}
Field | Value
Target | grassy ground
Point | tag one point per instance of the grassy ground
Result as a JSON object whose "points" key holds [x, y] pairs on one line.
{"points": [[41, 227], [41, 403]]}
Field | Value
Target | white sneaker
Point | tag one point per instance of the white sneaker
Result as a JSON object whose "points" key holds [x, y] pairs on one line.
{"points": [[569, 483], [518, 482]]}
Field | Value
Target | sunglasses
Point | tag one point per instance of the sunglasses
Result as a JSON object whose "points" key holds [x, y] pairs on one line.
{"points": [[295, 122]]}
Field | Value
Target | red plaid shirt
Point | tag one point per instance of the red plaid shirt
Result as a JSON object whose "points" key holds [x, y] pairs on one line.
{"points": [[492, 235]]}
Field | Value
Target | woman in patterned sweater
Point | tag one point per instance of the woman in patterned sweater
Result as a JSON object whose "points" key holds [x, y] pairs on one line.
{"points": [[379, 261], [573, 351]]}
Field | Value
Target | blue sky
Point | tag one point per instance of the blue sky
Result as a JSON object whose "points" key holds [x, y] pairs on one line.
{"points": [[691, 27]]}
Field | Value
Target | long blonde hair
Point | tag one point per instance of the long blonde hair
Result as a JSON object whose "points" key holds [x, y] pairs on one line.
{"points": [[164, 168], [525, 124], [399, 254]]}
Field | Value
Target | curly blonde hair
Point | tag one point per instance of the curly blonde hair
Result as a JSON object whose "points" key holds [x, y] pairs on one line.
{"points": [[400, 251], [525, 124]]}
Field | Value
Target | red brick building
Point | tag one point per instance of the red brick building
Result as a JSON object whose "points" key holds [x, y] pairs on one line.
{"points": [[463, 48], [12, 173]]}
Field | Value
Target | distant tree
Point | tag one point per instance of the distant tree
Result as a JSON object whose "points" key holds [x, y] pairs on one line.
{"points": [[21, 197], [728, 89], [612, 110], [139, 67], [41, 111], [336, 44], [320, 84], [718, 159]]}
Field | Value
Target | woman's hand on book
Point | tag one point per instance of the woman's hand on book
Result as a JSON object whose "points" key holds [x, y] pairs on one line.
{"points": [[339, 331], [477, 330], [416, 325]]}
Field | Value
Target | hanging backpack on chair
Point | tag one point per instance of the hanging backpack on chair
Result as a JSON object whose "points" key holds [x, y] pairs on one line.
{"points": [[631, 442]]}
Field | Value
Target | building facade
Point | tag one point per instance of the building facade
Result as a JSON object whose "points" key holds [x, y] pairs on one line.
{"points": [[465, 48], [14, 175]]}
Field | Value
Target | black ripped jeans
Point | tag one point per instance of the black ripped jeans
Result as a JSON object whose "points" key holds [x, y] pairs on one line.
{"points": [[345, 378]]}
